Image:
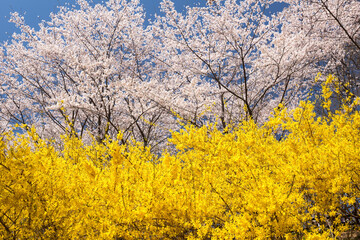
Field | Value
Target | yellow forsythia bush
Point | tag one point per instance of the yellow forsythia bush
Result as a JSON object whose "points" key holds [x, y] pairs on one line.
{"points": [[295, 177]]}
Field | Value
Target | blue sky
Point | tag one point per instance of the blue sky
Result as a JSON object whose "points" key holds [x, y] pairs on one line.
{"points": [[36, 10]]}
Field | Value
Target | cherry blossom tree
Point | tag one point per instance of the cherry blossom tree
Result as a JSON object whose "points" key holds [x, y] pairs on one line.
{"points": [[84, 71], [217, 48], [251, 60], [329, 32]]}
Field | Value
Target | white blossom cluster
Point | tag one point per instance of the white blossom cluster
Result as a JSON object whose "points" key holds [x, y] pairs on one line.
{"points": [[99, 69]]}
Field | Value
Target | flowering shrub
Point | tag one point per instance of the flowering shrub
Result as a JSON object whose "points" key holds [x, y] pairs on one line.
{"points": [[296, 176]]}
